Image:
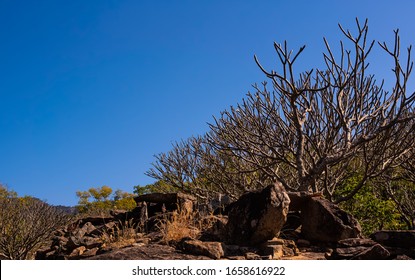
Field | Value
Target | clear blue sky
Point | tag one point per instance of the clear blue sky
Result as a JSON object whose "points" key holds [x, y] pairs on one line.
{"points": [[91, 90]]}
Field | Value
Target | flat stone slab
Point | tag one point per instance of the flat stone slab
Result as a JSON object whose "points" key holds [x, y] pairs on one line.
{"points": [[149, 252], [164, 197], [395, 238]]}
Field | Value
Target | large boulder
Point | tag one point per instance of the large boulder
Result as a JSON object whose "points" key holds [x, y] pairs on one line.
{"points": [[257, 216], [323, 221]]}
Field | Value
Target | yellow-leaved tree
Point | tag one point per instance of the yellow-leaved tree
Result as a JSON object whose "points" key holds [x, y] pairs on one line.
{"points": [[103, 200]]}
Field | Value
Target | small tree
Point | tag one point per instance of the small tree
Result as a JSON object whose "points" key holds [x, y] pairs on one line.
{"points": [[124, 200], [185, 168], [104, 200], [371, 206]]}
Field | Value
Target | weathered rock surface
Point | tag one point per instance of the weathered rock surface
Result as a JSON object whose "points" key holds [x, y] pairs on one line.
{"points": [[252, 256], [359, 249], [276, 252], [376, 252], [397, 252], [161, 202], [400, 243], [356, 242], [257, 216], [278, 248], [213, 250], [395, 238], [215, 228], [298, 199], [323, 221], [148, 252]]}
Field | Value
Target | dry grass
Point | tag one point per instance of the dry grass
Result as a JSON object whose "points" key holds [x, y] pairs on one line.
{"points": [[181, 224], [123, 234], [173, 226]]}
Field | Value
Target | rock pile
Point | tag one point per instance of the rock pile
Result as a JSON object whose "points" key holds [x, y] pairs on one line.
{"points": [[86, 237], [383, 245], [89, 236], [269, 224]]}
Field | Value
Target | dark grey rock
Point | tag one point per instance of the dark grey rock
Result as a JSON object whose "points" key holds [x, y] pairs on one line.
{"points": [[376, 252], [150, 252], [395, 238], [356, 242], [323, 221], [257, 216]]}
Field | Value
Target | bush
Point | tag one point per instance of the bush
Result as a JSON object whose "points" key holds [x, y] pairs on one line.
{"points": [[25, 224], [373, 209], [104, 200]]}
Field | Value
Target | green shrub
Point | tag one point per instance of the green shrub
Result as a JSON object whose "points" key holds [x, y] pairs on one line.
{"points": [[373, 209]]}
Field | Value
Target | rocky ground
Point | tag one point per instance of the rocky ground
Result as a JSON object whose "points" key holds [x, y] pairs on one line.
{"points": [[271, 224]]}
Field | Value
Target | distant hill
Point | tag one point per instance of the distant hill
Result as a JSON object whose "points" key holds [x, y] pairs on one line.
{"points": [[66, 209]]}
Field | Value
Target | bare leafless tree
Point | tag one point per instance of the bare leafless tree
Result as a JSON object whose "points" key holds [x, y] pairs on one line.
{"points": [[181, 166], [317, 125], [310, 131]]}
